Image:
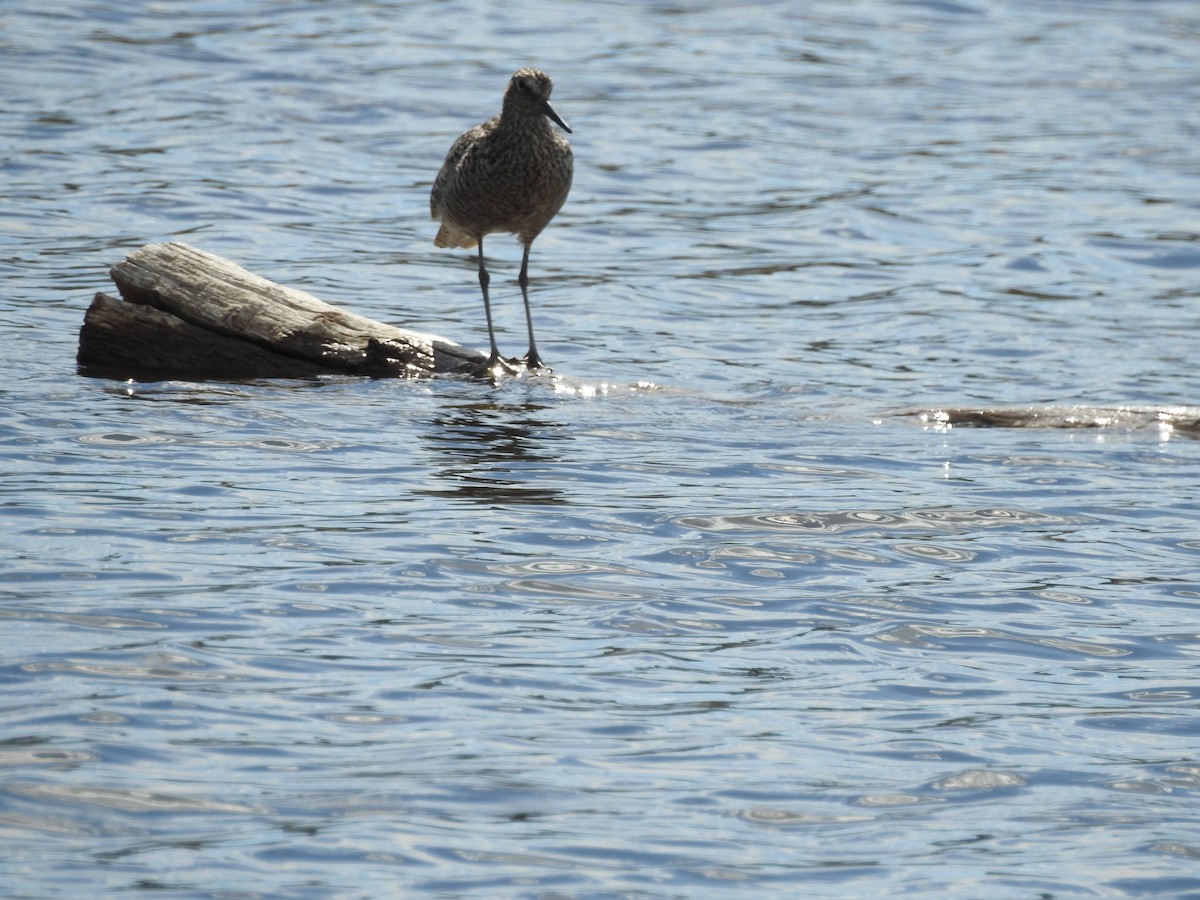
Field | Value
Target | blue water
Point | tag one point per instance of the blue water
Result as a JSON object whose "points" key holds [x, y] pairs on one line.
{"points": [[720, 609]]}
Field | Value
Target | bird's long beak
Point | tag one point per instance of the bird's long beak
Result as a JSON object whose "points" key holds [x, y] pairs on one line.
{"points": [[554, 117]]}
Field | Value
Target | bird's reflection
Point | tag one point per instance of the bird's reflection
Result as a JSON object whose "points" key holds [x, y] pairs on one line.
{"points": [[493, 452]]}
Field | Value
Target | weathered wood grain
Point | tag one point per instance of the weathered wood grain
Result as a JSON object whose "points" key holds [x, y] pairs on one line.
{"points": [[189, 311]]}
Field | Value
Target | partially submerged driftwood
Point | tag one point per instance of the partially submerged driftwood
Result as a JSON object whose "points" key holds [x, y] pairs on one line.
{"points": [[1184, 419], [188, 313]]}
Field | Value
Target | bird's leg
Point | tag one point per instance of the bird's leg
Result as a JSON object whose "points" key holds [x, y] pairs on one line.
{"points": [[484, 278], [532, 360]]}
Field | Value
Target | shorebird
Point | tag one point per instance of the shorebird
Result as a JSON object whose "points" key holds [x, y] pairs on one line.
{"points": [[510, 174]]}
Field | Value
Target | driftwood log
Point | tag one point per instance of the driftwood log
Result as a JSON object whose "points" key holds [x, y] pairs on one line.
{"points": [[187, 313]]}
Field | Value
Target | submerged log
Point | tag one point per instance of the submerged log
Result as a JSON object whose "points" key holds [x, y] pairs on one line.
{"points": [[1182, 419], [188, 313]]}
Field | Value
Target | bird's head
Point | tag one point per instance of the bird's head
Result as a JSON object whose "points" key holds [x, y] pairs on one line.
{"points": [[529, 89]]}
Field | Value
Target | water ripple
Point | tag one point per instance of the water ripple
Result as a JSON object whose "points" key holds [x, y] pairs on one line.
{"points": [[950, 520], [860, 496], [129, 800], [991, 640]]}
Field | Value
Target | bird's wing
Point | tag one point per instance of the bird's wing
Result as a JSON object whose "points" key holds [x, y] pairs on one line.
{"points": [[458, 151]]}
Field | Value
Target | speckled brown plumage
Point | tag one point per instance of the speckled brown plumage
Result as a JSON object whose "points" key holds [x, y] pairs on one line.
{"points": [[510, 174]]}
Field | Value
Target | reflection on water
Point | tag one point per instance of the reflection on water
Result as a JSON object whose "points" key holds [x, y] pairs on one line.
{"points": [[484, 452], [730, 604]]}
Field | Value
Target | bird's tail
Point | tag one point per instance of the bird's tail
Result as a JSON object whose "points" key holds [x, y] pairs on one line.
{"points": [[452, 237]]}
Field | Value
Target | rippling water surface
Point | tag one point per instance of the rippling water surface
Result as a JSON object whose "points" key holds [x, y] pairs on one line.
{"points": [[715, 610]]}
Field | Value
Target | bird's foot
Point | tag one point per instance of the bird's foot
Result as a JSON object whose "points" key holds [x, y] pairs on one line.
{"points": [[533, 361], [496, 364]]}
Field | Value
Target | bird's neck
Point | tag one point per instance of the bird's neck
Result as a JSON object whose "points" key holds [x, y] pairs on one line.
{"points": [[523, 119]]}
